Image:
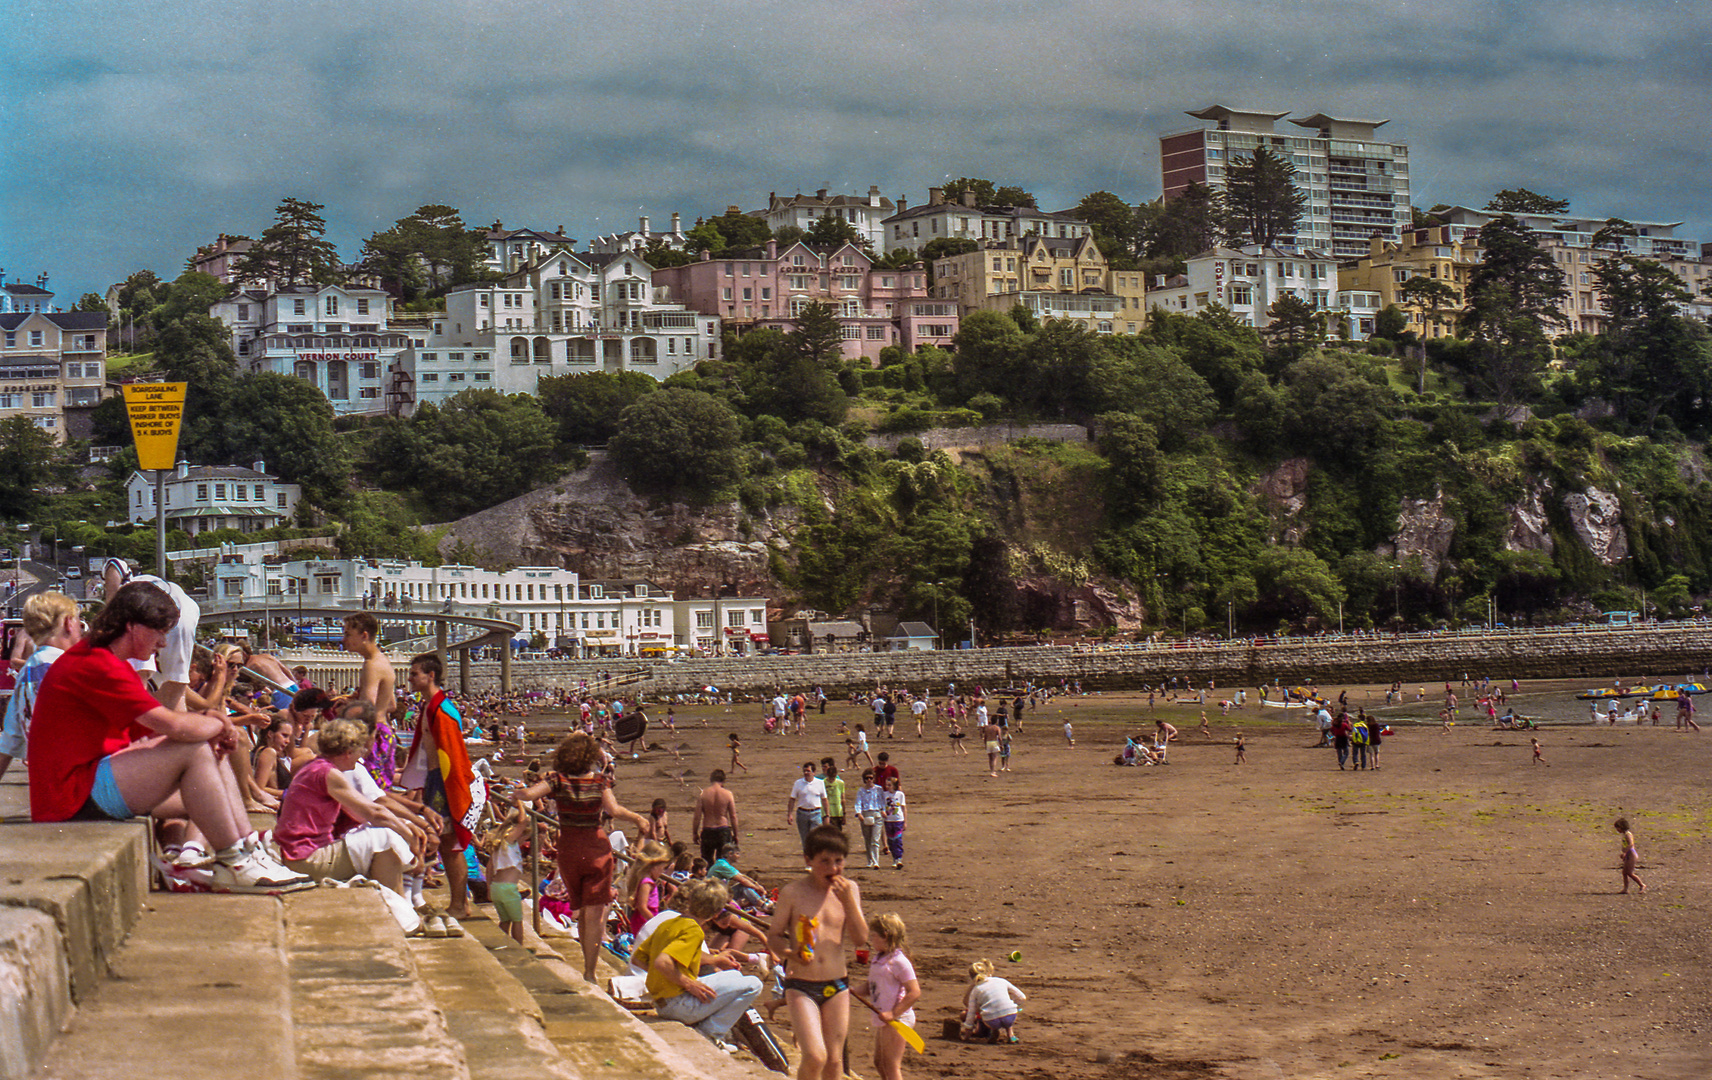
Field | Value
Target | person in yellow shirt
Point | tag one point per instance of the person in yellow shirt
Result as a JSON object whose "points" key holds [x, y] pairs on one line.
{"points": [[688, 985]]}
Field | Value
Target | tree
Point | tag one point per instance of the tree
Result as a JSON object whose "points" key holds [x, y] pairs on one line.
{"points": [[742, 230], [193, 293], [985, 192], [586, 406], [287, 423], [1262, 194], [988, 354], [1195, 220], [1295, 328], [659, 255], [197, 349], [1523, 201], [1652, 357], [681, 441], [830, 230], [1295, 583], [478, 449], [26, 460], [1155, 384], [1432, 297], [292, 251], [705, 237], [817, 336], [1114, 223], [789, 234], [1513, 296], [1010, 195], [429, 251], [91, 302]]}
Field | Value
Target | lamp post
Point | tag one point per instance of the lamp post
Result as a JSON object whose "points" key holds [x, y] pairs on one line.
{"points": [[1230, 619], [936, 587]]}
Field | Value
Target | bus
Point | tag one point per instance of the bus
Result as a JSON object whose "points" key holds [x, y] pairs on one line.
{"points": [[1622, 618]]}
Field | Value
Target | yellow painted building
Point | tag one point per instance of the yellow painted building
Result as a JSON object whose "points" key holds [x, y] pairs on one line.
{"points": [[1429, 253], [1055, 278]]}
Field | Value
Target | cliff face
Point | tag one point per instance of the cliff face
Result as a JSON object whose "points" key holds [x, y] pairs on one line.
{"points": [[591, 522], [1045, 510]]}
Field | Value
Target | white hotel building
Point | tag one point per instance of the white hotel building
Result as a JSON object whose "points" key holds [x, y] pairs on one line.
{"points": [[555, 313], [1356, 183], [589, 618], [335, 337]]}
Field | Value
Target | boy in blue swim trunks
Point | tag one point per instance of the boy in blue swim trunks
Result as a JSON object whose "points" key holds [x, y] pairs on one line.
{"points": [[814, 916]]}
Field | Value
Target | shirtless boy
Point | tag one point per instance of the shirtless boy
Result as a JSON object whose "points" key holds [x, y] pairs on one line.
{"points": [[375, 683], [815, 916], [715, 822]]}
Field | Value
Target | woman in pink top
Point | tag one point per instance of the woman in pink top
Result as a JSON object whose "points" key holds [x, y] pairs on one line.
{"points": [[894, 990], [316, 814]]}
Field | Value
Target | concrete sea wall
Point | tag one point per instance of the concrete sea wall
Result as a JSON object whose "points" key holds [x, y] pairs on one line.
{"points": [[1669, 651]]}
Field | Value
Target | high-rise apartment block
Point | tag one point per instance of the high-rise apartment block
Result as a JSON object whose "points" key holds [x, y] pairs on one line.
{"points": [[1357, 185]]}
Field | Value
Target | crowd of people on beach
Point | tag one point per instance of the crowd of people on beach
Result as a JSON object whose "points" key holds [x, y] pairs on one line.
{"points": [[398, 788]]}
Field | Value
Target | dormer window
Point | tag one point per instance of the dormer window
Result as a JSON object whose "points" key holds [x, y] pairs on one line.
{"points": [[641, 591], [597, 592]]}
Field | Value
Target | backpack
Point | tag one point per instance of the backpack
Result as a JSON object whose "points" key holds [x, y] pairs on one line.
{"points": [[1358, 735]]}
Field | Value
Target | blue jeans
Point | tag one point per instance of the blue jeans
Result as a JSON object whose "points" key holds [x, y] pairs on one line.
{"points": [[733, 993]]}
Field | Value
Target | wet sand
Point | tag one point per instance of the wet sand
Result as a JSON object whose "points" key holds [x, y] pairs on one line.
{"points": [[1453, 914]]}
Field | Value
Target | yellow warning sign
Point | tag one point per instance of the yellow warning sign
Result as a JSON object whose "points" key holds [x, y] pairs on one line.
{"points": [[155, 409]]}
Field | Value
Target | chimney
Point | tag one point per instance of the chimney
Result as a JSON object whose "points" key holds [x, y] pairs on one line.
{"points": [[968, 198], [821, 194], [183, 468], [561, 230], [772, 249], [873, 194], [935, 197], [706, 255], [733, 211], [903, 203], [642, 226], [677, 220], [259, 466]]}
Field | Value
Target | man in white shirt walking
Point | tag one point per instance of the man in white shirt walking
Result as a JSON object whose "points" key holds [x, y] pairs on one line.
{"points": [[806, 807]]}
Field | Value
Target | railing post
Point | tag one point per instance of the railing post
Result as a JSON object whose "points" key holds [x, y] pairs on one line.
{"points": [[534, 871]]}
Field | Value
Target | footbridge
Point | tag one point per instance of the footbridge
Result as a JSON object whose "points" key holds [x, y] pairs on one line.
{"points": [[486, 631]]}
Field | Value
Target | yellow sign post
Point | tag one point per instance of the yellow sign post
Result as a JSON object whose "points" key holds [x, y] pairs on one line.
{"points": [[156, 411]]}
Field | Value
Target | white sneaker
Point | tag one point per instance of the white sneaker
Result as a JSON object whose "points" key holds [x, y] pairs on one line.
{"points": [[188, 858], [256, 872]]}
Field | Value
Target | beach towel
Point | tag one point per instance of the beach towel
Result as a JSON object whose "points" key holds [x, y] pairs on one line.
{"points": [[463, 791]]}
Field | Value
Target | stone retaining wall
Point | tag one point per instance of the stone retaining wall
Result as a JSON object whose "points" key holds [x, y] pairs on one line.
{"points": [[1599, 655]]}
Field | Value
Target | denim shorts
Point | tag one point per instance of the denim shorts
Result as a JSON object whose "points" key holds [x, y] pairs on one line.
{"points": [[105, 799]]}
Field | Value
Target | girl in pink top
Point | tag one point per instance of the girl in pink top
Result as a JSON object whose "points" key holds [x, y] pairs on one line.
{"points": [[894, 990]]}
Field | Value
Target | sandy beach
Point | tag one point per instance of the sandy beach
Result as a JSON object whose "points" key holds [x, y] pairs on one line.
{"points": [[1454, 913]]}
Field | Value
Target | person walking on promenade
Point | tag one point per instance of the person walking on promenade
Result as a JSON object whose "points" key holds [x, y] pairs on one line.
{"points": [[870, 804]]}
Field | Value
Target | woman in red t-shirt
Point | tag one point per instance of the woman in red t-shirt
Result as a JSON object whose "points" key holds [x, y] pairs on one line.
{"points": [[102, 748]]}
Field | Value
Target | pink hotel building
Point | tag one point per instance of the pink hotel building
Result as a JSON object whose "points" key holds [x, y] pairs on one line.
{"points": [[751, 288]]}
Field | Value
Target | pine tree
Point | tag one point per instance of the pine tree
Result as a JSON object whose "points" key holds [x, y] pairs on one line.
{"points": [[292, 250], [1262, 194], [1513, 297]]}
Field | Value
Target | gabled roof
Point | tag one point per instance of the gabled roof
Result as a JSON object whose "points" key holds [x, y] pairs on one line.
{"points": [[800, 200], [18, 288], [913, 630], [529, 234], [65, 320]]}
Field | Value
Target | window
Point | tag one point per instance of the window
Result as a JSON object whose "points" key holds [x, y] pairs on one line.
{"points": [[219, 492], [483, 376], [370, 369], [201, 492], [758, 616], [299, 307], [243, 312], [11, 401], [482, 300], [876, 333], [11, 339], [704, 620], [238, 492], [1242, 294], [430, 376], [456, 376], [35, 338], [850, 333], [767, 293], [727, 293]]}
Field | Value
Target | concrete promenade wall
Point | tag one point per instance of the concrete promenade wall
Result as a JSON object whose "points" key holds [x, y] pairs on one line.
{"points": [[1668, 651]]}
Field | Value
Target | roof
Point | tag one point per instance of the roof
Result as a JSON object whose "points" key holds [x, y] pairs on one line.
{"points": [[529, 234], [217, 472], [844, 628], [1220, 112], [65, 320], [952, 207], [225, 511], [18, 288], [1320, 120], [779, 202], [913, 630]]}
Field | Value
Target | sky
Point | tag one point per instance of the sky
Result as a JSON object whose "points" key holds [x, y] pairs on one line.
{"points": [[135, 132]]}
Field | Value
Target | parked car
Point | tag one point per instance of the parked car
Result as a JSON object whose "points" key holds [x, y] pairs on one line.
{"points": [[73, 572]]}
